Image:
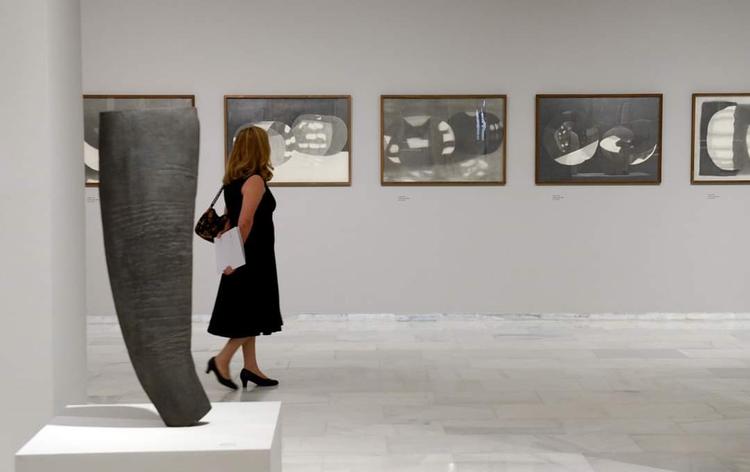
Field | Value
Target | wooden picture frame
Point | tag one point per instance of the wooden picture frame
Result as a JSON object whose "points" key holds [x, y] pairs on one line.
{"points": [[699, 155], [91, 120], [548, 173], [396, 177], [313, 108]]}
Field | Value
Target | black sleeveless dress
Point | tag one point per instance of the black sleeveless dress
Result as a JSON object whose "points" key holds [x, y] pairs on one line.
{"points": [[247, 303]]}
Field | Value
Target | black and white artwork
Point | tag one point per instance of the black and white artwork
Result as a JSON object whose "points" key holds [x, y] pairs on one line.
{"points": [[721, 139], [93, 105], [310, 135], [598, 139], [443, 139]]}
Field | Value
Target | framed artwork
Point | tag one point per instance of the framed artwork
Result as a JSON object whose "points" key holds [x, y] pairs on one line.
{"points": [[605, 139], [442, 139], [310, 135], [721, 138], [95, 104]]}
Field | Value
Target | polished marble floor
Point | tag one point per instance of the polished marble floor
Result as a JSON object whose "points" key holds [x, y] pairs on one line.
{"points": [[443, 393]]}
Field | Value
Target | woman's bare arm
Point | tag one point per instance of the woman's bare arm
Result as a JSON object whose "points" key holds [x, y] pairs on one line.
{"points": [[252, 192]]}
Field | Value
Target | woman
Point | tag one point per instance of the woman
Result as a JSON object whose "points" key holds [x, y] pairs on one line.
{"points": [[247, 304]]}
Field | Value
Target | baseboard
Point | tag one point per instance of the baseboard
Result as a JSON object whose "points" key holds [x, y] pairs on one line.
{"points": [[204, 318], [527, 316]]}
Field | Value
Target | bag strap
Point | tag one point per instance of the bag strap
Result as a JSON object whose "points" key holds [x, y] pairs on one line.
{"points": [[213, 202]]}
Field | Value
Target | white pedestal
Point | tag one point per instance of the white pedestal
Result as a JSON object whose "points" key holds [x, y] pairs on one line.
{"points": [[132, 438]]}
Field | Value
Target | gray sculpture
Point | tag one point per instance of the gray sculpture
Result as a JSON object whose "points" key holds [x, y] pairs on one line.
{"points": [[148, 172]]}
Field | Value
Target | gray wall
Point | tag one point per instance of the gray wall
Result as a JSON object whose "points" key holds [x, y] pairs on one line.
{"points": [[494, 250], [43, 348]]}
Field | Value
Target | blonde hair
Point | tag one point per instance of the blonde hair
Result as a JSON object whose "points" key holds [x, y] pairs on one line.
{"points": [[251, 154]]}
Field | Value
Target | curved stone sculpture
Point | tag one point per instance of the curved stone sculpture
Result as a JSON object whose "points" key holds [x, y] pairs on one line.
{"points": [[148, 172]]}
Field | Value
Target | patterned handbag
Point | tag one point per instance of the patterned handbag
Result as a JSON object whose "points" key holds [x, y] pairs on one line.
{"points": [[210, 224]]}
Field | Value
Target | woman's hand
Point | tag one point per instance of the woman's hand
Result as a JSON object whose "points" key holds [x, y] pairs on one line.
{"points": [[228, 271]]}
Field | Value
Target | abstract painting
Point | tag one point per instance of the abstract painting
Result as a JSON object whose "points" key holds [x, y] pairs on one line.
{"points": [[598, 139], [95, 104], [442, 139], [721, 138], [310, 135]]}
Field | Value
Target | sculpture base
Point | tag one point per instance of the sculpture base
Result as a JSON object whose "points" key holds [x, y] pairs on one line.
{"points": [[120, 438]]}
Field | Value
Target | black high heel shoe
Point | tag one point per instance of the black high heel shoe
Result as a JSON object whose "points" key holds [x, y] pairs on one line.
{"points": [[246, 376], [225, 382]]}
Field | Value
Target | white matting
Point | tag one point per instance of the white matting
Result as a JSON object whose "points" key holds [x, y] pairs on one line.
{"points": [[117, 438]]}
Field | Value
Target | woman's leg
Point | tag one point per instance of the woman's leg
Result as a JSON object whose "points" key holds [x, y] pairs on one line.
{"points": [[251, 361], [224, 358]]}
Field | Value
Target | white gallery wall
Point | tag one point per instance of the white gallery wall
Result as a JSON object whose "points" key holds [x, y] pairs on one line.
{"points": [[513, 249], [42, 284]]}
